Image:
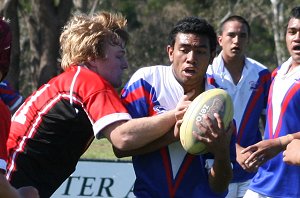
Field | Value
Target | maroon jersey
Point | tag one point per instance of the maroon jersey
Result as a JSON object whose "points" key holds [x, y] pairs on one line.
{"points": [[56, 124], [4, 130], [5, 47]]}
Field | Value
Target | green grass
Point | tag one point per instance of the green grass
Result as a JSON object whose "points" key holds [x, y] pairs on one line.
{"points": [[101, 149]]}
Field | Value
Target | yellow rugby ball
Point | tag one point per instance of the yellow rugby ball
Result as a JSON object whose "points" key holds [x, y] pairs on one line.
{"points": [[209, 102]]}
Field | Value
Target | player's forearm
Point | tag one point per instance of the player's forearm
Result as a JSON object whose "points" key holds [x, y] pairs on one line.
{"points": [[220, 174], [137, 133], [150, 147], [285, 140]]}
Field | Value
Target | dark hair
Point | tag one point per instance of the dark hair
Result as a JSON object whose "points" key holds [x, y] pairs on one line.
{"points": [[235, 18], [295, 13], [194, 25]]}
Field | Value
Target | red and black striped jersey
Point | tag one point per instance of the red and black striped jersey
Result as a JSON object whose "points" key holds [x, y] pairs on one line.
{"points": [[56, 124]]}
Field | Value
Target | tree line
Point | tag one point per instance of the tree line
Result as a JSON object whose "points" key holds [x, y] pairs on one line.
{"points": [[37, 24]]}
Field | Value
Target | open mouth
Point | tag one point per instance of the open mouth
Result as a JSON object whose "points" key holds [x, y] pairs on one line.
{"points": [[235, 49], [296, 48], [189, 71]]}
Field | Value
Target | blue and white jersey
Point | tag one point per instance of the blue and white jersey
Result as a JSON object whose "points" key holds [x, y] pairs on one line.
{"points": [[249, 97], [170, 171], [276, 178]]}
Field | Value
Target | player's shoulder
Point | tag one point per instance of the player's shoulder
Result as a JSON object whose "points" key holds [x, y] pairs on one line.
{"points": [[150, 72], [209, 70], [81, 80], [78, 73], [153, 69], [255, 64]]}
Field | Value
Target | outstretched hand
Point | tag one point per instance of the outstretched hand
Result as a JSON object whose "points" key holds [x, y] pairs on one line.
{"points": [[261, 152], [242, 157]]}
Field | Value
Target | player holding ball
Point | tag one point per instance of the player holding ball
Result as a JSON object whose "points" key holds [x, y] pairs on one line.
{"points": [[163, 168]]}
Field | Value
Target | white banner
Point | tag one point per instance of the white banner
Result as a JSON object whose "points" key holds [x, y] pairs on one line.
{"points": [[99, 179]]}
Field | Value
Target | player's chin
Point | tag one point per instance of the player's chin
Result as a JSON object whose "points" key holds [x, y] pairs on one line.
{"points": [[190, 81]]}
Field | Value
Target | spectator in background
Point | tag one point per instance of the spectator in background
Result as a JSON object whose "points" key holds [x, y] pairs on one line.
{"points": [[247, 81], [275, 178], [6, 190], [57, 123], [162, 167]]}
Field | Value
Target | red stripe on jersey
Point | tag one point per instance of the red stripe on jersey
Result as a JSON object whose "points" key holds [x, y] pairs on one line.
{"points": [[167, 165], [286, 101], [136, 95], [186, 165], [140, 94], [251, 106]]}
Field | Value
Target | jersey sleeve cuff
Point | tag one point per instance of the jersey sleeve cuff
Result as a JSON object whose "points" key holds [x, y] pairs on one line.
{"points": [[107, 120]]}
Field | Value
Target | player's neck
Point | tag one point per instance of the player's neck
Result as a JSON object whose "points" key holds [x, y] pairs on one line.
{"points": [[235, 67], [293, 66], [198, 88]]}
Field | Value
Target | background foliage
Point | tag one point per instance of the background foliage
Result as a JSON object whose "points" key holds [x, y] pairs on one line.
{"points": [[37, 25]]}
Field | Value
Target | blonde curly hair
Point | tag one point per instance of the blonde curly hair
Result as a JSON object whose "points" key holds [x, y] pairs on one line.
{"points": [[84, 38]]}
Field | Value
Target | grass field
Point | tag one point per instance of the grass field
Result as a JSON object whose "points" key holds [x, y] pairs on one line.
{"points": [[101, 149]]}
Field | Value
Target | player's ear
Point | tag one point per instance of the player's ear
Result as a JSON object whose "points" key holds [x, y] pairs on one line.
{"points": [[91, 62], [220, 40], [170, 51]]}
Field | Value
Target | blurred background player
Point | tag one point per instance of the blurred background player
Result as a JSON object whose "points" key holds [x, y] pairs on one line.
{"points": [[6, 190], [247, 81], [275, 178]]}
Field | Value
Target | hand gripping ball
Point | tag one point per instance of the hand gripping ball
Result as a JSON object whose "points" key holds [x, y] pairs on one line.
{"points": [[208, 102]]}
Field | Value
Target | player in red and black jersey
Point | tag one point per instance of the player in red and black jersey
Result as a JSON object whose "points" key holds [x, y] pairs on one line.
{"points": [[57, 123]]}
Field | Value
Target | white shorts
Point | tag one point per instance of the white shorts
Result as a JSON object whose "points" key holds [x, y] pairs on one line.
{"points": [[252, 194], [236, 190]]}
